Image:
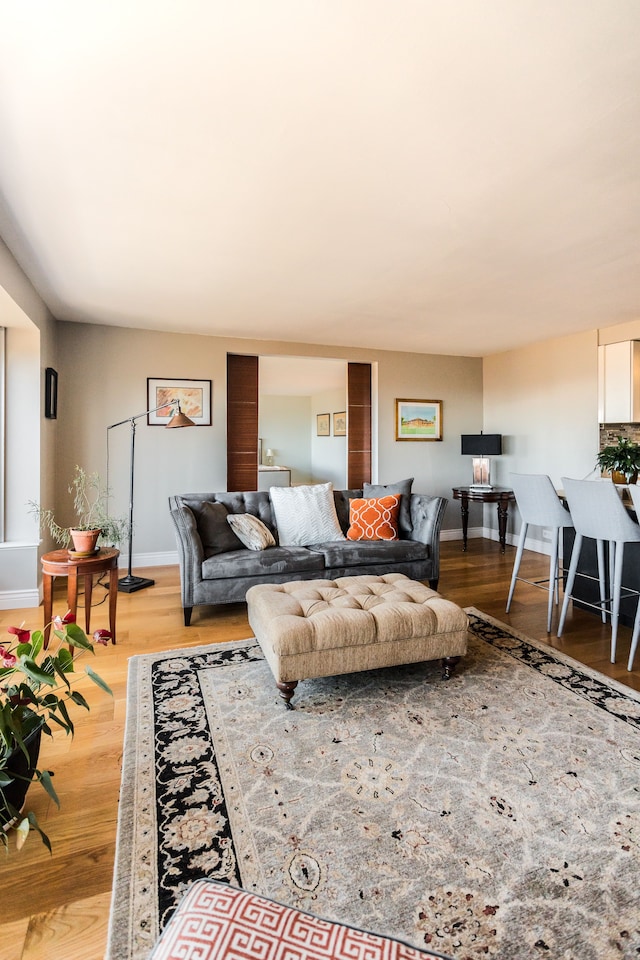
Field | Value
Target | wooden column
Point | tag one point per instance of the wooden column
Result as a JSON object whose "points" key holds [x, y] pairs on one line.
{"points": [[359, 424], [242, 422]]}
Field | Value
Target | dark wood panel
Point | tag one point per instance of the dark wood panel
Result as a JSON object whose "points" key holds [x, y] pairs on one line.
{"points": [[359, 424], [242, 422]]}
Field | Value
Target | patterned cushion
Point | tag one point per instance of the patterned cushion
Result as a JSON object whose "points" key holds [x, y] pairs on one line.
{"points": [[375, 519], [305, 514], [216, 921], [251, 531]]}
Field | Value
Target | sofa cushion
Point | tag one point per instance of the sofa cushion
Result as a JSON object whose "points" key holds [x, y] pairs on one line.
{"points": [[403, 487], [251, 531], [375, 519], [261, 563], [356, 553], [215, 533], [305, 514]]}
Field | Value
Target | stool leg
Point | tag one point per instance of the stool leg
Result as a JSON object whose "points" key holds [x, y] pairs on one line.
{"points": [[113, 598], [88, 594], [516, 564], [617, 586], [573, 566], [47, 591], [634, 637], [553, 577]]}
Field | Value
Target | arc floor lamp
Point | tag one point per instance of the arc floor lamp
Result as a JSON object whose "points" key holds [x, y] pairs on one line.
{"points": [[130, 584]]}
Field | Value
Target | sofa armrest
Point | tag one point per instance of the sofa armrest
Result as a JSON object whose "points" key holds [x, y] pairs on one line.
{"points": [[190, 549], [427, 514]]}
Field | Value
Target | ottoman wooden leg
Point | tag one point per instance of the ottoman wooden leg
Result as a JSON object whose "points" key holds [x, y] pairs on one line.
{"points": [[448, 666], [286, 692]]}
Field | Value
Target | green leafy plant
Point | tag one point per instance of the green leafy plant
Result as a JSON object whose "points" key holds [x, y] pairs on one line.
{"points": [[622, 457], [36, 691], [91, 508]]}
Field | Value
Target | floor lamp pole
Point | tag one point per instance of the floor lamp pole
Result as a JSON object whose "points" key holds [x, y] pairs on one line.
{"points": [[130, 584]]}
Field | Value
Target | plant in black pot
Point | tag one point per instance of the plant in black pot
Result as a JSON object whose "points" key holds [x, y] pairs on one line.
{"points": [[622, 458], [36, 693], [92, 521]]}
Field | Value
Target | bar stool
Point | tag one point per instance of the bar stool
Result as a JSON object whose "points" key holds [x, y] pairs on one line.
{"points": [[540, 505], [598, 513], [634, 490]]}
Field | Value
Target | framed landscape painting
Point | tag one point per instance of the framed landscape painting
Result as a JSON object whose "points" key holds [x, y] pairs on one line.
{"points": [[418, 419], [194, 397]]}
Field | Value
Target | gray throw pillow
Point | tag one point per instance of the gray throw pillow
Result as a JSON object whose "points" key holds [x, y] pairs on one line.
{"points": [[252, 531], [403, 487], [215, 533]]}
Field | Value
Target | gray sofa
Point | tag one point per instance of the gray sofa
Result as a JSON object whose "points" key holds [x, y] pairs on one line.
{"points": [[216, 568]]}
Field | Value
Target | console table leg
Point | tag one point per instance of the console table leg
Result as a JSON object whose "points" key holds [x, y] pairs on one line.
{"points": [[464, 509], [502, 524]]}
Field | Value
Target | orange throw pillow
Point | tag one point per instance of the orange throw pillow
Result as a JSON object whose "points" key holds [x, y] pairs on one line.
{"points": [[374, 519]]}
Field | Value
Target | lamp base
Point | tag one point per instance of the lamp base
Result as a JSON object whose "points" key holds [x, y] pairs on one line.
{"points": [[130, 584]]}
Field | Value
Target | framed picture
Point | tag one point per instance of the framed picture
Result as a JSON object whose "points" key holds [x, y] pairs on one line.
{"points": [[340, 424], [194, 397], [418, 419], [50, 393], [323, 422]]}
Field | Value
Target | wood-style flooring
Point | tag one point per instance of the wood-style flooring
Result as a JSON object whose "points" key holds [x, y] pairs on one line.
{"points": [[57, 906]]}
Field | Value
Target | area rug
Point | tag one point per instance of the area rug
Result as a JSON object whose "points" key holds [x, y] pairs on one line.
{"points": [[494, 815]]}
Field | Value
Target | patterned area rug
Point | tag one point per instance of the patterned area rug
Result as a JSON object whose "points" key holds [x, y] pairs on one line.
{"points": [[496, 815]]}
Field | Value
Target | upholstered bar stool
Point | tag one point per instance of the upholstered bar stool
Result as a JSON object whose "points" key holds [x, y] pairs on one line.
{"points": [[598, 513], [539, 505], [634, 490]]}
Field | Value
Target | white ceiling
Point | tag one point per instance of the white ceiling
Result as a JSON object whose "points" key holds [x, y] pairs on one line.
{"points": [[448, 176]]}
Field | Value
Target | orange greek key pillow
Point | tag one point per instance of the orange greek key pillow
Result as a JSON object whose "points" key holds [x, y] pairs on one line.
{"points": [[374, 519]]}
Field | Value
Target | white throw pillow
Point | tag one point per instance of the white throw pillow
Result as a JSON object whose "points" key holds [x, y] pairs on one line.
{"points": [[305, 514], [251, 531]]}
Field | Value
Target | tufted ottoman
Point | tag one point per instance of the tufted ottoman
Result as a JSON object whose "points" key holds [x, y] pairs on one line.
{"points": [[321, 628]]}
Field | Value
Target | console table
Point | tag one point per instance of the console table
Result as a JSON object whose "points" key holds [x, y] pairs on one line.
{"points": [[58, 563], [502, 496]]}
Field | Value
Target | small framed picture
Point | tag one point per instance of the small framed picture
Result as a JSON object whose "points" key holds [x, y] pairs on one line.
{"points": [[194, 397], [340, 424], [323, 424], [418, 419]]}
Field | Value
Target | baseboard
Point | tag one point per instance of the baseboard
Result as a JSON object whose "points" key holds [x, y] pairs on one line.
{"points": [[17, 599]]}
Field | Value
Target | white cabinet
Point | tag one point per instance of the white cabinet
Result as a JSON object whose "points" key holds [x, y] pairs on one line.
{"points": [[619, 382]]}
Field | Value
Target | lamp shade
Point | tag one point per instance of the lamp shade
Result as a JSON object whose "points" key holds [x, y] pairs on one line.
{"points": [[481, 444]]}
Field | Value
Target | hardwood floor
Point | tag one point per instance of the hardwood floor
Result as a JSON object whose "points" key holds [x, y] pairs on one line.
{"points": [[58, 906]]}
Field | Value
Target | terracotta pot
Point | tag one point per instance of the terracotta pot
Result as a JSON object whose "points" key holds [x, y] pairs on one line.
{"points": [[84, 542]]}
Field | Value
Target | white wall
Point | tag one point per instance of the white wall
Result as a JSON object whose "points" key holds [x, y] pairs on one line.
{"points": [[284, 428], [328, 454], [543, 399], [30, 439]]}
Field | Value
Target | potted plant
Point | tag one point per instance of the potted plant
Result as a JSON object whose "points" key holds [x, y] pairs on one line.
{"points": [[35, 694], [93, 523], [621, 460]]}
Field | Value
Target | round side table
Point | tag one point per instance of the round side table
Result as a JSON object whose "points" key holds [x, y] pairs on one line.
{"points": [[58, 563]]}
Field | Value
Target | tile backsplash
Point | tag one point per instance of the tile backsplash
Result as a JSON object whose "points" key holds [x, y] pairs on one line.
{"points": [[609, 433]]}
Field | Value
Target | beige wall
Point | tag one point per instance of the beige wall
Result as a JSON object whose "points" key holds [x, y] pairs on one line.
{"points": [[103, 373]]}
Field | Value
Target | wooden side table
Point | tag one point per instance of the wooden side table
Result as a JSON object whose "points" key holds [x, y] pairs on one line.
{"points": [[58, 563], [502, 496]]}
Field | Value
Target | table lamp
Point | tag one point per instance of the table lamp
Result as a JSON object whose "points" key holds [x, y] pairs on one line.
{"points": [[481, 446]]}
